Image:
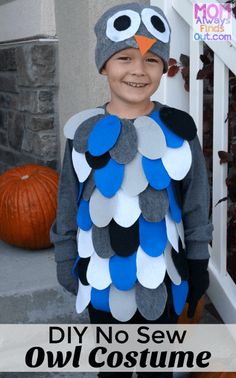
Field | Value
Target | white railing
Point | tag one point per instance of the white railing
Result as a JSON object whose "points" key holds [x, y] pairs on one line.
{"points": [[222, 291]]}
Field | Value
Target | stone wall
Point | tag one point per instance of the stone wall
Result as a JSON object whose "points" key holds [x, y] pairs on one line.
{"points": [[28, 104]]}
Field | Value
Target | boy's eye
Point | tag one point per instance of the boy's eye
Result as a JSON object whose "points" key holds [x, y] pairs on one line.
{"points": [[152, 60], [123, 58]]}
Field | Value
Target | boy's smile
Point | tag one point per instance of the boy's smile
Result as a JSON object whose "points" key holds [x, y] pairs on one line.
{"points": [[132, 78], [136, 85]]}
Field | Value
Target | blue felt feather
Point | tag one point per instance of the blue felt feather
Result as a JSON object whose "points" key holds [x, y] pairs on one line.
{"points": [[109, 178], [100, 299], [152, 236], [81, 187], [155, 173], [123, 271], [179, 293], [74, 270], [104, 135], [175, 210], [83, 217]]}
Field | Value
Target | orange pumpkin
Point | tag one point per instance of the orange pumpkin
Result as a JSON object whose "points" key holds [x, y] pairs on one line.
{"points": [[28, 200]]}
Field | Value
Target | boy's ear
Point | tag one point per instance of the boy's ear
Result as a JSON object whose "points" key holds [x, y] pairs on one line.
{"points": [[103, 71]]}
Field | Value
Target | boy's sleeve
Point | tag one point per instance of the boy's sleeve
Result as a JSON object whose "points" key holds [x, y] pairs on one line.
{"points": [[198, 229], [64, 230], [195, 206]]}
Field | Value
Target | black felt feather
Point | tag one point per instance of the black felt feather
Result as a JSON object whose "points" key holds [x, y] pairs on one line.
{"points": [[180, 122], [124, 241]]}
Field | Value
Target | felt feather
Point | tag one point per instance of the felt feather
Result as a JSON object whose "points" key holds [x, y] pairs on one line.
{"points": [[180, 122], [123, 271]]}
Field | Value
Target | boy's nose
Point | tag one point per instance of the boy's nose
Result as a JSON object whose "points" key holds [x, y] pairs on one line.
{"points": [[138, 66], [144, 43]]}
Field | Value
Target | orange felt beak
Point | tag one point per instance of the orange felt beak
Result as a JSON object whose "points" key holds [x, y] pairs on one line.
{"points": [[144, 43]]}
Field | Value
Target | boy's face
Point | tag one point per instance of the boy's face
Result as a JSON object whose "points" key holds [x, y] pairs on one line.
{"points": [[133, 78]]}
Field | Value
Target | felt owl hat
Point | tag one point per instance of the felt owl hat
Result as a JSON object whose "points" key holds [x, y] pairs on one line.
{"points": [[132, 25]]}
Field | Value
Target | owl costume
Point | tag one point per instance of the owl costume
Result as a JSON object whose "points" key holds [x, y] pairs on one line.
{"points": [[133, 197]]}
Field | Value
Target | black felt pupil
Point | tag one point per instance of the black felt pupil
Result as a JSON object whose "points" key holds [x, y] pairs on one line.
{"points": [[158, 24], [122, 23]]}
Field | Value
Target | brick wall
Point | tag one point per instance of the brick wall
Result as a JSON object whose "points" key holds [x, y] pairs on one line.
{"points": [[28, 104]]}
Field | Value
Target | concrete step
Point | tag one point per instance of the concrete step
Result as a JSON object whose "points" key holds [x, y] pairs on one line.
{"points": [[29, 291]]}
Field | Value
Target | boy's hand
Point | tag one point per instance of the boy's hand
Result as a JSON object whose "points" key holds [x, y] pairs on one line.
{"points": [[65, 277], [198, 283]]}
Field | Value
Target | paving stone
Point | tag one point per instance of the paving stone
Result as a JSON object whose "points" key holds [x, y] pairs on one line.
{"points": [[42, 144], [39, 123], [8, 82], [3, 138], [28, 100], [8, 59], [3, 119], [46, 102], [36, 101], [28, 95], [36, 64], [9, 101], [16, 126]]}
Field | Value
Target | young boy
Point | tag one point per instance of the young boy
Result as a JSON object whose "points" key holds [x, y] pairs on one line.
{"points": [[134, 185]]}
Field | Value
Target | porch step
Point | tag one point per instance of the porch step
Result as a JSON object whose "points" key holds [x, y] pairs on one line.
{"points": [[29, 291]]}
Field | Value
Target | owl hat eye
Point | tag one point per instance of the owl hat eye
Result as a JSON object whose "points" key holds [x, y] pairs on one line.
{"points": [[156, 24], [123, 25]]}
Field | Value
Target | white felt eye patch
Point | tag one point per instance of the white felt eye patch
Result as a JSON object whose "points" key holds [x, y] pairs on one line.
{"points": [[80, 165], [84, 243], [180, 230], [172, 233], [182, 157], [123, 25], [170, 266], [98, 274], [150, 270], [126, 209], [156, 24], [83, 297]]}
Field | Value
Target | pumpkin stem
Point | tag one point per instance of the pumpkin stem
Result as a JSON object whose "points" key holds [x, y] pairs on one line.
{"points": [[24, 177]]}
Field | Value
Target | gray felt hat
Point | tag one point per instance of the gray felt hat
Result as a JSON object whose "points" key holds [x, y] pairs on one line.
{"points": [[132, 25]]}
